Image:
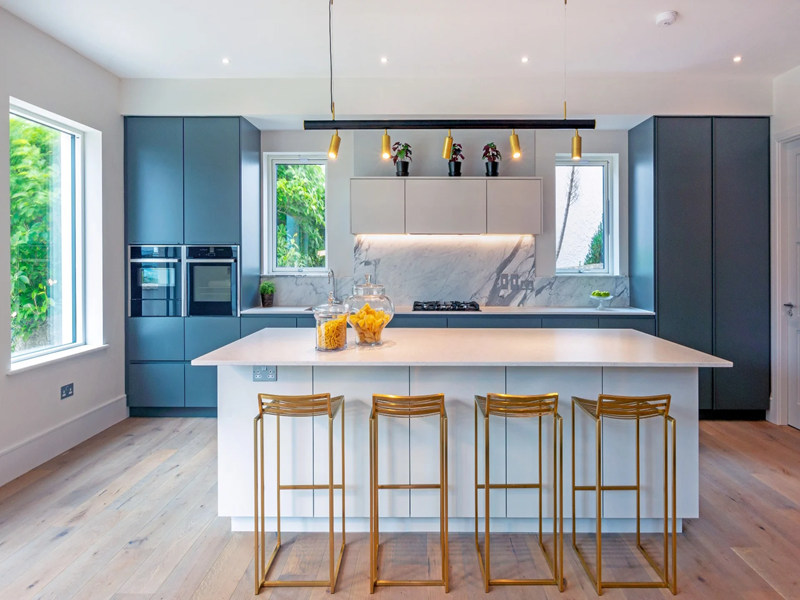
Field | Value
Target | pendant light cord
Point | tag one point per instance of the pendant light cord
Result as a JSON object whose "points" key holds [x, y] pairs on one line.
{"points": [[565, 58], [330, 56]]}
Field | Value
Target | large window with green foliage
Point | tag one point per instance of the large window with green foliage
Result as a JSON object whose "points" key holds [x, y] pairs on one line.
{"points": [[45, 186], [583, 214], [296, 239]]}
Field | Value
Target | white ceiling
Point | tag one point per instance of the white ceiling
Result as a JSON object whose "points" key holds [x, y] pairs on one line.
{"points": [[421, 38]]}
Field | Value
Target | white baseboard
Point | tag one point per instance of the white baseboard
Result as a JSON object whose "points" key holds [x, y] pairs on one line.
{"points": [[37, 449]]}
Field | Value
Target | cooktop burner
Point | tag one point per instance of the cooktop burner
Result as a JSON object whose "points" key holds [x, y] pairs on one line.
{"points": [[451, 305]]}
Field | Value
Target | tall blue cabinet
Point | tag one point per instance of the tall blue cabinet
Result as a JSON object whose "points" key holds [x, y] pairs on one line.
{"points": [[699, 195], [187, 181]]}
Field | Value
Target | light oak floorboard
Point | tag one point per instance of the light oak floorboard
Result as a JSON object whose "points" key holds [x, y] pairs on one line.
{"points": [[131, 515]]}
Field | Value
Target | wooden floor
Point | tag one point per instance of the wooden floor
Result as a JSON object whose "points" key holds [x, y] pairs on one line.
{"points": [[131, 515]]}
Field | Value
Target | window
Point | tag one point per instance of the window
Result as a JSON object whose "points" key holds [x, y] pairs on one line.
{"points": [[295, 215], [584, 192], [46, 235]]}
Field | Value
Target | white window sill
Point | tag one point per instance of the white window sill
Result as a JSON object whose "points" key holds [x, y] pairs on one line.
{"points": [[47, 359]]}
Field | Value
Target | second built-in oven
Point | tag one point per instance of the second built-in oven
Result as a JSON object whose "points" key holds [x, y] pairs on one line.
{"points": [[212, 280]]}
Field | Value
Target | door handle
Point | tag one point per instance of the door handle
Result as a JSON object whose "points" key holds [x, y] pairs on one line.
{"points": [[790, 308]]}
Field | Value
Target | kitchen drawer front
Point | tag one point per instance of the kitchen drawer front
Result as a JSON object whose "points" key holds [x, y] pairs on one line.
{"points": [[377, 206], [252, 324], [204, 334], [200, 386], [155, 384], [445, 206], [510, 321], [575, 322], [643, 324], [514, 206], [418, 321], [154, 338]]}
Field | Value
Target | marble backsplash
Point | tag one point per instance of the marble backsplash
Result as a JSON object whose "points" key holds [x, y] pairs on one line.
{"points": [[494, 271]]}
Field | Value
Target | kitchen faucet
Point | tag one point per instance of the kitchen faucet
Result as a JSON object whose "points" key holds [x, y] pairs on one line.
{"points": [[332, 284]]}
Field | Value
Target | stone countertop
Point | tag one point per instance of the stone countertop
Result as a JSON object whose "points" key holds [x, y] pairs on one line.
{"points": [[465, 347], [485, 310]]}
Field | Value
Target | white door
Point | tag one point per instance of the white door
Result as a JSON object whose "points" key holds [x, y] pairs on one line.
{"points": [[790, 170]]}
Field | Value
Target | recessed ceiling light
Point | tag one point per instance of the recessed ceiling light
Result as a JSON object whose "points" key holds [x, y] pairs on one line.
{"points": [[226, 61], [737, 59], [524, 59], [384, 60]]}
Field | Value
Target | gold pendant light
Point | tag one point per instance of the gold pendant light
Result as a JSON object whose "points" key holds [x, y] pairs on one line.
{"points": [[386, 145], [515, 149], [577, 143], [333, 147], [448, 146]]}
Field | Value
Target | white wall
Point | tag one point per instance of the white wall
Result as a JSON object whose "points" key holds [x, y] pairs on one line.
{"points": [[34, 424], [786, 101]]}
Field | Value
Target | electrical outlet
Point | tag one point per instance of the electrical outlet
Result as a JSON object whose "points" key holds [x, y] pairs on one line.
{"points": [[503, 280], [526, 284], [514, 282], [67, 390], [261, 373]]}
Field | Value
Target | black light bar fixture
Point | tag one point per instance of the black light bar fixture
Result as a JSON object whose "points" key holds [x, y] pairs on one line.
{"points": [[451, 124]]}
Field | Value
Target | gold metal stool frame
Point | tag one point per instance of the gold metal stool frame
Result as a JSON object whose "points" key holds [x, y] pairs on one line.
{"points": [[507, 405], [629, 408], [293, 406], [406, 407]]}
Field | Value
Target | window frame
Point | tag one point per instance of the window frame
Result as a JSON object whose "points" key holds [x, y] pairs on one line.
{"points": [[610, 164], [77, 205], [269, 218]]}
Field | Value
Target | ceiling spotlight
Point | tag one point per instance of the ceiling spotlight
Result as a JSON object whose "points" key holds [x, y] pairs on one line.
{"points": [[666, 18], [384, 60], [226, 61], [737, 59], [524, 59]]}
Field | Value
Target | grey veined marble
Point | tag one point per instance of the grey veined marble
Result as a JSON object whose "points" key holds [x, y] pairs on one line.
{"points": [[494, 271]]}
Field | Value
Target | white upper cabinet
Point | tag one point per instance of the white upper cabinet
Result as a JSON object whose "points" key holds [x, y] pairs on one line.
{"points": [[445, 206], [377, 206], [514, 206]]}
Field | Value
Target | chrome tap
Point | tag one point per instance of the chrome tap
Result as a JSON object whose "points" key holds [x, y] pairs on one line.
{"points": [[332, 284]]}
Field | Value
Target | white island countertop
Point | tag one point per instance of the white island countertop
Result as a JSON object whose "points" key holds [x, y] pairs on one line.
{"points": [[465, 347]]}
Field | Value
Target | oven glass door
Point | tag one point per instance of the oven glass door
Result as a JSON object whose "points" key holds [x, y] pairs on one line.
{"points": [[155, 289], [212, 288]]}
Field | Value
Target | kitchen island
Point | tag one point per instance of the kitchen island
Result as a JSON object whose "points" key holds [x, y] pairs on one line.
{"points": [[459, 363]]}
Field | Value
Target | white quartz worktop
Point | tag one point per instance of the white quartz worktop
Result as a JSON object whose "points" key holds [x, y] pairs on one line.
{"points": [[465, 347], [485, 310]]}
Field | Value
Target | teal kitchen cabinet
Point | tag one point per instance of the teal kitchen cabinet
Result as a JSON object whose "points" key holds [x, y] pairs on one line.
{"points": [[154, 180], [157, 385], [211, 180]]}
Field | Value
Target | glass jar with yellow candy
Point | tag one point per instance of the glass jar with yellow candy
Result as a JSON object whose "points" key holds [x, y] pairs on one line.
{"points": [[331, 326], [370, 311]]}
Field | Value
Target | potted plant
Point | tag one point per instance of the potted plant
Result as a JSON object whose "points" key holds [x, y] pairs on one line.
{"points": [[267, 291], [492, 156], [454, 164], [401, 156]]}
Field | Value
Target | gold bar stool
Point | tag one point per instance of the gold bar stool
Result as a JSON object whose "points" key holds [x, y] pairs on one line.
{"points": [[406, 407], [293, 406], [632, 408], [507, 405]]}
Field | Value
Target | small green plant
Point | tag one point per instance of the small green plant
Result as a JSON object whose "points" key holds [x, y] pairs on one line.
{"points": [[491, 153], [456, 154], [266, 287], [401, 151]]}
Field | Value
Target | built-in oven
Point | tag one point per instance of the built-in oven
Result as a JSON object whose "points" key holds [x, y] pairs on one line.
{"points": [[212, 280], [155, 287]]}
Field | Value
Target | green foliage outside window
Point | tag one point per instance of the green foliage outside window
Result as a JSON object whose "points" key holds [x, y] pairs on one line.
{"points": [[300, 215], [33, 179], [595, 254]]}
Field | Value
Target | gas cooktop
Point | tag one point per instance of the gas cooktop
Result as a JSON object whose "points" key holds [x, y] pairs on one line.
{"points": [[449, 305]]}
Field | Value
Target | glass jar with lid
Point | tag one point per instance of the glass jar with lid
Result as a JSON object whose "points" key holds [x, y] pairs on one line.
{"points": [[331, 325], [370, 311]]}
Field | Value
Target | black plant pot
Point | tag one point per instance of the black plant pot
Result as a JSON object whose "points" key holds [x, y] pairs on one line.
{"points": [[402, 168], [267, 299], [455, 168], [491, 168]]}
